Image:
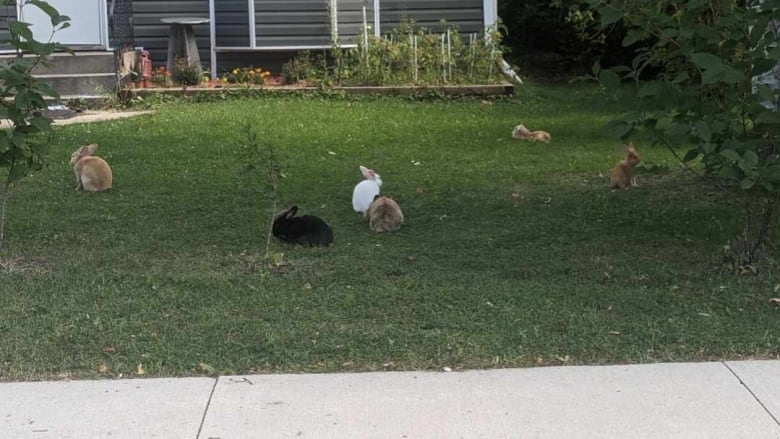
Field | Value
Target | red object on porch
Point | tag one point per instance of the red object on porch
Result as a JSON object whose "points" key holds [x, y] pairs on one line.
{"points": [[146, 65]]}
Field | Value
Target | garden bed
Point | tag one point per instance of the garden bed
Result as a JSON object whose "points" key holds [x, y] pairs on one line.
{"points": [[505, 89]]}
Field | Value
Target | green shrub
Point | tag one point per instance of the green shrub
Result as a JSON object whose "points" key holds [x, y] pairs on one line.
{"points": [[406, 56], [186, 73]]}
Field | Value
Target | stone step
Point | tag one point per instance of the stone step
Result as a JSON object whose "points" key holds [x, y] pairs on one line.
{"points": [[84, 73], [78, 62], [95, 84]]}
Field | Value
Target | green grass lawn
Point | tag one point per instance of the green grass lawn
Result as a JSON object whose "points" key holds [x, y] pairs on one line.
{"points": [[162, 270]]}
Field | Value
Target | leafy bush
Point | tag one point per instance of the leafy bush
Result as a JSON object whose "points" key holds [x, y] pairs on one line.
{"points": [[24, 146], [715, 93], [406, 56], [186, 73]]}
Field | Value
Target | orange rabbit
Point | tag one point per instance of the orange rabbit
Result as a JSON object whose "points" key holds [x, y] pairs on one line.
{"points": [[621, 174], [92, 173]]}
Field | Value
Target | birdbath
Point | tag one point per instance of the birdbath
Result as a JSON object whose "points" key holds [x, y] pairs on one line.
{"points": [[181, 43]]}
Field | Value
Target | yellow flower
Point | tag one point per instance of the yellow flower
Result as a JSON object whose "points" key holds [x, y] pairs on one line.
{"points": [[235, 71]]}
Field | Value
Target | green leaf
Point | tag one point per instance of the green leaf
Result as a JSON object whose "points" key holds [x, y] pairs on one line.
{"points": [[761, 66], [681, 77], [19, 139], [706, 33], [609, 79], [707, 61], [21, 29], [767, 118], [774, 53], [690, 155], [632, 36], [650, 88], [42, 124], [771, 173], [731, 155], [596, 68], [747, 183], [678, 129], [5, 143], [702, 130], [731, 75], [749, 161], [618, 128], [18, 170], [54, 16], [729, 172], [766, 93], [46, 90], [610, 15]]}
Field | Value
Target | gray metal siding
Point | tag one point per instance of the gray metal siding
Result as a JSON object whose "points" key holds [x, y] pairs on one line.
{"points": [[6, 12], [232, 27], [290, 22], [306, 22], [351, 19], [465, 14]]}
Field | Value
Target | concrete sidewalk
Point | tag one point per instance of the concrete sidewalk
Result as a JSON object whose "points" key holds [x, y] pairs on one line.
{"points": [[691, 400]]}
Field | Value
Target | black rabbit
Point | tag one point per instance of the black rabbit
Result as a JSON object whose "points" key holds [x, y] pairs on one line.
{"points": [[304, 230]]}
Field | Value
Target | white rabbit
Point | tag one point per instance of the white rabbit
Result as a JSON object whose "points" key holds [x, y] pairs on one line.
{"points": [[366, 190]]}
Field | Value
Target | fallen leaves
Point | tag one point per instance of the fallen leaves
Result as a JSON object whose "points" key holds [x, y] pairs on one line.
{"points": [[775, 301], [140, 369]]}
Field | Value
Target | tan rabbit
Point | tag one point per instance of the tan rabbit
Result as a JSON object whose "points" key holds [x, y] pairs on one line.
{"points": [[621, 174], [521, 132], [92, 173], [384, 215]]}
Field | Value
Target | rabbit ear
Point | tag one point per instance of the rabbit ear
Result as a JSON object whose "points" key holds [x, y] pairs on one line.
{"points": [[90, 148], [368, 173], [286, 213]]}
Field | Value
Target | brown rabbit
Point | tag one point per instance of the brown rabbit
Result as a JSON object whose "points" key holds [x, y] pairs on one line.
{"points": [[92, 173], [384, 215], [621, 174], [521, 132]]}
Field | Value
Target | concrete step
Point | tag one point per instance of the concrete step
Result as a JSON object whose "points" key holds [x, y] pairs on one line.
{"points": [[95, 84], [84, 73], [79, 62]]}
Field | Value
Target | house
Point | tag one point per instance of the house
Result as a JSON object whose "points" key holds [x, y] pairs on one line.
{"points": [[263, 33]]}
